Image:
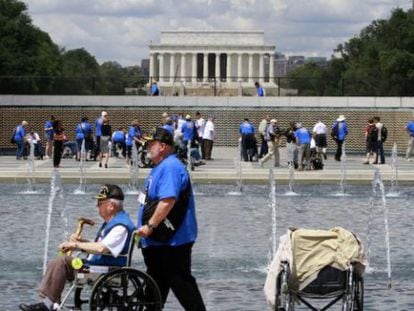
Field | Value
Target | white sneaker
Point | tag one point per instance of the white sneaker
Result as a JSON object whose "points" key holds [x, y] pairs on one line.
{"points": [[46, 157]]}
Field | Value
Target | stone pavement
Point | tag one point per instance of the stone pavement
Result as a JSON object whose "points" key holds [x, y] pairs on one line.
{"points": [[223, 169]]}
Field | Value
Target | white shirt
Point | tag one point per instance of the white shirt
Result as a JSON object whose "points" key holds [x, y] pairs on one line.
{"points": [[115, 240], [33, 138], [209, 131], [200, 125], [320, 128]]}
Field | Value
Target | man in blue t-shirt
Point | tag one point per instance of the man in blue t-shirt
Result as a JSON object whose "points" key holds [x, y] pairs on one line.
{"points": [[48, 129], [168, 189], [303, 139], [339, 131], [154, 89], [259, 90], [410, 130], [248, 141]]}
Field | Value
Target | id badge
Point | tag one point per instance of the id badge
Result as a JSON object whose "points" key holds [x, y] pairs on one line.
{"points": [[141, 197]]}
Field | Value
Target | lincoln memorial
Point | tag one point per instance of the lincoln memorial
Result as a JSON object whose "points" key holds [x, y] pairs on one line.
{"points": [[231, 60]]}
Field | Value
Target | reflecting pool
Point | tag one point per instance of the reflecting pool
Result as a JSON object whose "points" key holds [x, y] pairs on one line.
{"points": [[233, 249]]}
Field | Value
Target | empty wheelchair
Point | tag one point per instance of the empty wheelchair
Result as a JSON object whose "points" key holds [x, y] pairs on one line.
{"points": [[113, 288], [323, 267]]}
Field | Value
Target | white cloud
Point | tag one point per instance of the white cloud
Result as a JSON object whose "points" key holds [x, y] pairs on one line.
{"points": [[120, 30]]}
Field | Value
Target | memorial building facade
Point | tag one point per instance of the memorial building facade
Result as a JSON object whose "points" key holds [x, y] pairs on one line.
{"points": [[197, 58]]}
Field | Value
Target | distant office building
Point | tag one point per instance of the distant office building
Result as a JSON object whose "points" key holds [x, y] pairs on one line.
{"points": [[284, 64], [145, 68]]}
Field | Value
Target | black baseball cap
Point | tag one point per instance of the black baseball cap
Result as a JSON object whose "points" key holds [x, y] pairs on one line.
{"points": [[162, 135], [110, 192]]}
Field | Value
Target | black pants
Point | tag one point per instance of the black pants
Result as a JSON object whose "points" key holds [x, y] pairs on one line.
{"points": [[338, 153], [263, 147], [170, 267], [57, 152]]}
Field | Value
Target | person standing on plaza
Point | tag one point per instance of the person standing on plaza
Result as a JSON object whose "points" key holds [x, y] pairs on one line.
{"points": [[106, 132], [200, 124], [273, 134], [248, 141], [19, 135], [83, 132], [154, 89], [409, 127], [133, 139], [262, 131], [48, 130], [339, 131], [381, 138], [371, 136], [292, 150], [58, 139], [209, 135], [259, 89], [98, 132], [303, 140], [319, 132], [167, 223]]}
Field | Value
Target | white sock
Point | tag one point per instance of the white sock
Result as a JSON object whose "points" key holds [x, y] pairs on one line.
{"points": [[48, 302]]}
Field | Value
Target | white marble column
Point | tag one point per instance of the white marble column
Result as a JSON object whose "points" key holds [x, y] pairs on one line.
{"points": [[271, 68], [205, 67], [152, 67], [172, 67], [250, 74], [182, 66], [228, 68], [161, 56], [261, 68], [217, 71], [239, 66], [194, 69]]}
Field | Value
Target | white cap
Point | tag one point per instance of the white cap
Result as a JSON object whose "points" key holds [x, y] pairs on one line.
{"points": [[273, 121], [341, 118]]}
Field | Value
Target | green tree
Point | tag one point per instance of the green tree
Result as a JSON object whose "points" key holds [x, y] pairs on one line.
{"points": [[27, 54], [80, 73]]}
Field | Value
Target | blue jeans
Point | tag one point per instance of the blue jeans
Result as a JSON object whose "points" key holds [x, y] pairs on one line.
{"points": [[20, 149]]}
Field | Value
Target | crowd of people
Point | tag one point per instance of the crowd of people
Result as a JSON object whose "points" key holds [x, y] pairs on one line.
{"points": [[98, 141], [306, 147]]}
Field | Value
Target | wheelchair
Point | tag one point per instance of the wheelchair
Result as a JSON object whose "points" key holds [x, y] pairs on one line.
{"points": [[317, 267], [331, 283], [113, 288]]}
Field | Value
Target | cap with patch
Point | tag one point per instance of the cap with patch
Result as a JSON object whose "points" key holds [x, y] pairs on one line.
{"points": [[110, 192], [162, 135]]}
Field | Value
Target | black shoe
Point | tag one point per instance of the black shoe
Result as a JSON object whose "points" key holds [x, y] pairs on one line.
{"points": [[325, 157], [100, 164], [106, 165], [35, 307]]}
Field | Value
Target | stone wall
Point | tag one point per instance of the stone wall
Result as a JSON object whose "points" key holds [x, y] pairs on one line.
{"points": [[229, 115]]}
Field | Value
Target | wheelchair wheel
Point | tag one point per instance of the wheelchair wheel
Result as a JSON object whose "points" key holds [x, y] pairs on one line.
{"points": [[125, 289], [358, 303]]}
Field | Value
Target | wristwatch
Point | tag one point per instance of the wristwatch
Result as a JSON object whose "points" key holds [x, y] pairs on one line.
{"points": [[151, 226]]}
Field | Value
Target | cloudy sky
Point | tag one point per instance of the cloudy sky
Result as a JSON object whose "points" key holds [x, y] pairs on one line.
{"points": [[120, 30]]}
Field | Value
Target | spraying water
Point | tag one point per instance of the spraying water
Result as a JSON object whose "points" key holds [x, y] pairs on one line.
{"points": [[272, 205], [189, 161], [82, 169], [291, 190], [133, 171], [55, 187], [31, 170], [377, 182], [342, 183], [394, 177], [237, 165]]}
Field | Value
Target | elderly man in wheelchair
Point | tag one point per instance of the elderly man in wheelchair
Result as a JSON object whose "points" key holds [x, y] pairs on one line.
{"points": [[313, 265], [115, 286]]}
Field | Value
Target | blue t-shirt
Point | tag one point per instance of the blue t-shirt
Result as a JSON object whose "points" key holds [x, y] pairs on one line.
{"points": [[167, 180], [131, 134], [246, 128], [260, 91], [49, 133], [19, 134], [83, 130], [118, 137], [303, 136], [188, 130], [342, 129], [98, 126], [410, 127]]}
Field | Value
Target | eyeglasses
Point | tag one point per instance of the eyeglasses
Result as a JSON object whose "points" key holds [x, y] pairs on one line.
{"points": [[101, 202]]}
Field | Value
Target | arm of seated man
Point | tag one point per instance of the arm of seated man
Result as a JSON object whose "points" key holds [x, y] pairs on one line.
{"points": [[113, 243]]}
